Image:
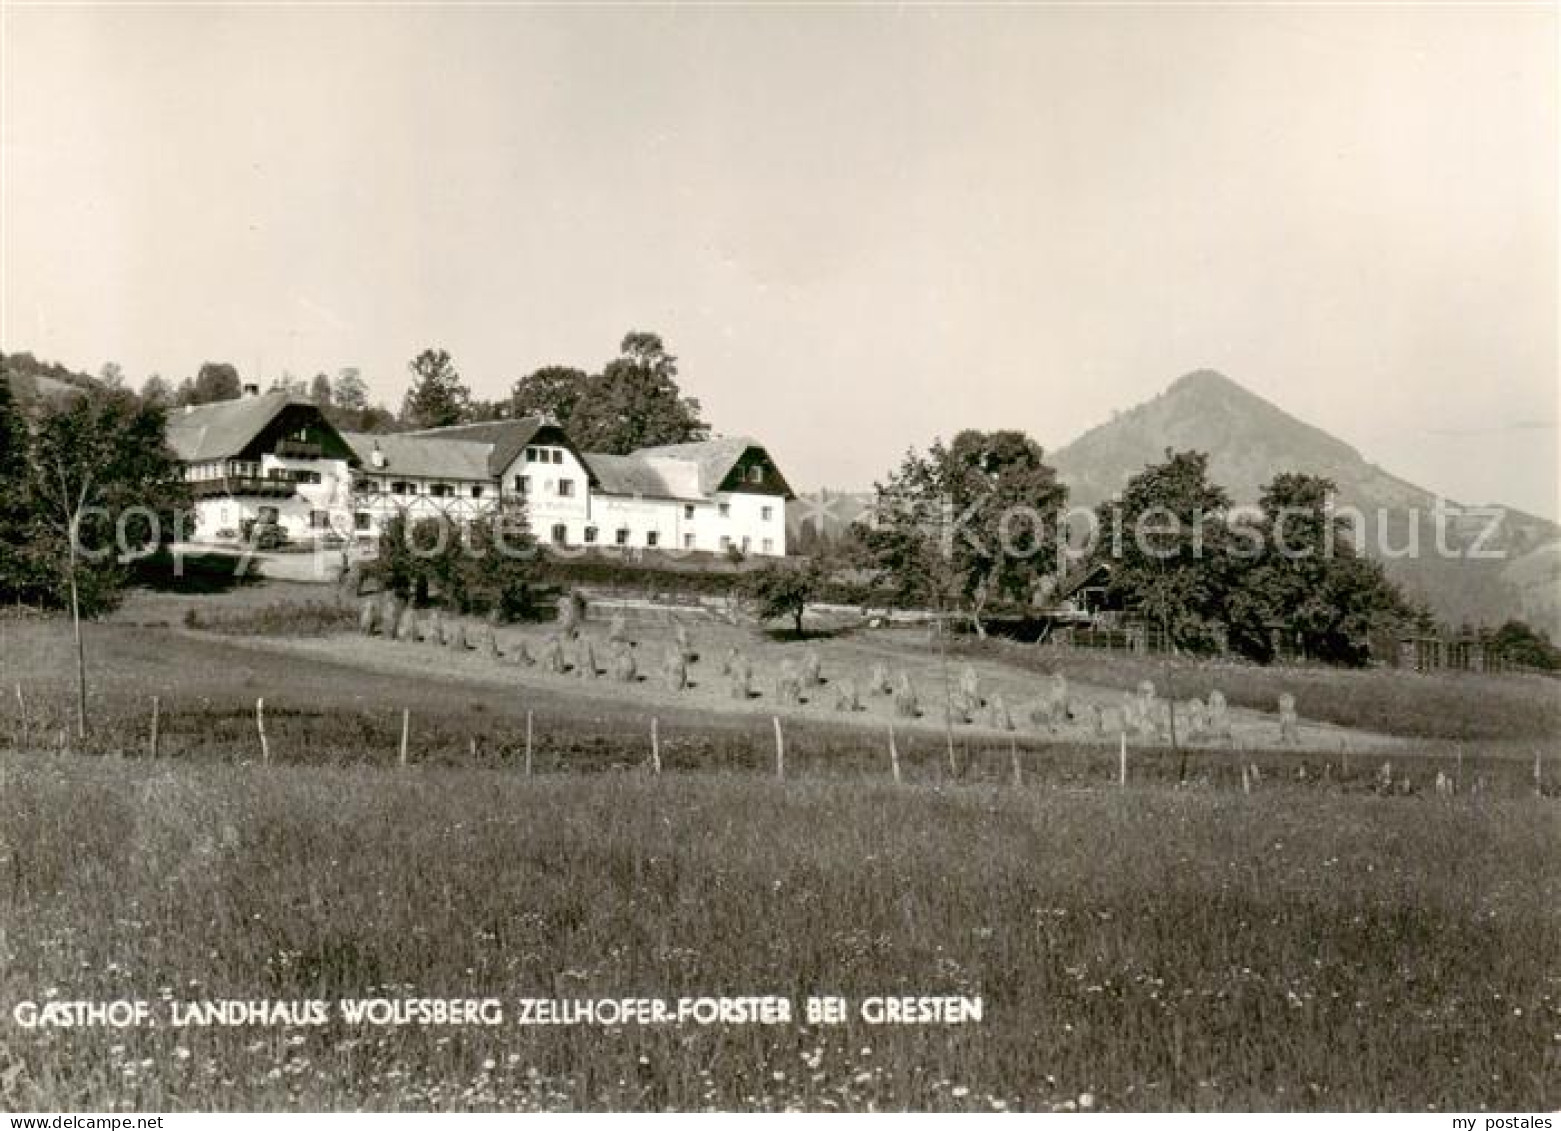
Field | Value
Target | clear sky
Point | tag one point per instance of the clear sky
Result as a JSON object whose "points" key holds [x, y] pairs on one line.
{"points": [[857, 228]]}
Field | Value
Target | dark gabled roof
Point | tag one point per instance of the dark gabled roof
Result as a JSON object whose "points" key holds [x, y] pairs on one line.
{"points": [[223, 429], [423, 456]]}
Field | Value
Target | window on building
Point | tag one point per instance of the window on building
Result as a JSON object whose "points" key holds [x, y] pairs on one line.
{"points": [[726, 510], [319, 520], [756, 474], [402, 487], [688, 541], [769, 545], [652, 538], [361, 521], [531, 455], [766, 513], [560, 534], [590, 534], [523, 484], [477, 491], [745, 543], [558, 456], [441, 490], [566, 488], [688, 510], [622, 536]]}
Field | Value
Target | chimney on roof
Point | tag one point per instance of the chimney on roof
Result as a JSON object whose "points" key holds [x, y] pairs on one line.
{"points": [[251, 389]]}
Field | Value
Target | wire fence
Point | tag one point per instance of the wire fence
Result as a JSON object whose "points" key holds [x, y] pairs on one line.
{"points": [[539, 741]]}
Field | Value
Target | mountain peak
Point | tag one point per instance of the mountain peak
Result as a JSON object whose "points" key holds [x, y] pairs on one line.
{"points": [[1249, 440], [1206, 382]]}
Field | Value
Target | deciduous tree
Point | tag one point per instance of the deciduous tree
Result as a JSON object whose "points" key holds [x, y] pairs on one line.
{"points": [[635, 402]]}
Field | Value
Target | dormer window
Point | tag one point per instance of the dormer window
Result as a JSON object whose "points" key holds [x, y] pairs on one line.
{"points": [[756, 474]]}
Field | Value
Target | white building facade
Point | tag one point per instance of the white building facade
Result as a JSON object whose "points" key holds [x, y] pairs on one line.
{"points": [[277, 460]]}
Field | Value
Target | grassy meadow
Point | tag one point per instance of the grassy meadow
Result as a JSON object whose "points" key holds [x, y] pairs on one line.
{"points": [[1137, 949], [1324, 941]]}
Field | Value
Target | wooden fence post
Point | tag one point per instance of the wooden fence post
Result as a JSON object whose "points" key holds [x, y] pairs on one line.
{"points": [[1539, 781], [260, 725], [1122, 761], [21, 706], [406, 735], [655, 747], [1013, 750], [528, 744], [894, 756], [780, 750], [153, 743]]}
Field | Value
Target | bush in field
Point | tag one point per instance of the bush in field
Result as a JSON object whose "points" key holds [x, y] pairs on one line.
{"points": [[433, 628], [490, 642], [406, 624], [783, 590], [812, 669], [998, 715], [455, 636], [368, 614], [905, 702], [788, 685], [520, 655], [552, 655], [878, 680], [488, 567]]}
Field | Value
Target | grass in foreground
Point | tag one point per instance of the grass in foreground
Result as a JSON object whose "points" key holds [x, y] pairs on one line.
{"points": [[1153, 949]]}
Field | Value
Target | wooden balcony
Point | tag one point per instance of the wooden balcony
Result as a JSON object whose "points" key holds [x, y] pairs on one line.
{"points": [[236, 486]]}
